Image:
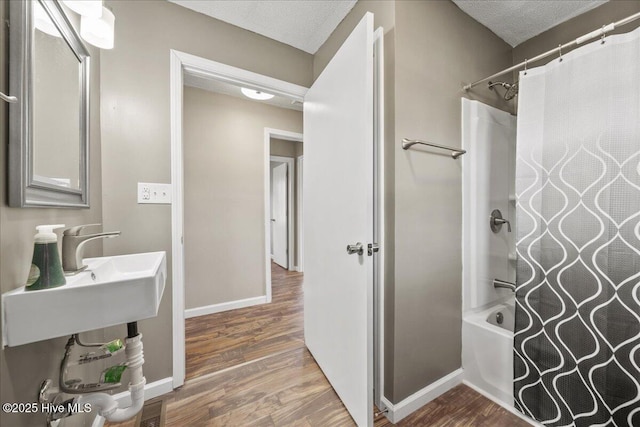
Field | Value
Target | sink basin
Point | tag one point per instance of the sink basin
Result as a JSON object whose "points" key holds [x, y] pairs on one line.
{"points": [[111, 291]]}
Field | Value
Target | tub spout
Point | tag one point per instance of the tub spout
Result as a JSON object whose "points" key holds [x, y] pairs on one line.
{"points": [[497, 283]]}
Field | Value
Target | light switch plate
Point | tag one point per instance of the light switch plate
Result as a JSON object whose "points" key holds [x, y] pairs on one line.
{"points": [[154, 193]]}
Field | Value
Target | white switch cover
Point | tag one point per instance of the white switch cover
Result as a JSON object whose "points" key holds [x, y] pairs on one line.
{"points": [[154, 193]]}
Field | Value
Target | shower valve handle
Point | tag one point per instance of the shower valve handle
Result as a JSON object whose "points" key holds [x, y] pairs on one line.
{"points": [[499, 221], [496, 221]]}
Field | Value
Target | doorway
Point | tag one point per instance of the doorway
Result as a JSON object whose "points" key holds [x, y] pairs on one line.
{"points": [[280, 211], [285, 220], [184, 66], [232, 307], [345, 208]]}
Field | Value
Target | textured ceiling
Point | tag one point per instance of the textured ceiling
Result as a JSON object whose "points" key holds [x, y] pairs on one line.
{"points": [[303, 24], [224, 88], [516, 21]]}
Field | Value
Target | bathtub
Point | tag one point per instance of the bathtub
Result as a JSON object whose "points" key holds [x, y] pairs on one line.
{"points": [[487, 351]]}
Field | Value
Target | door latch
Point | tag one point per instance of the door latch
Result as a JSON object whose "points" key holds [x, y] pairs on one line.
{"points": [[372, 247]]}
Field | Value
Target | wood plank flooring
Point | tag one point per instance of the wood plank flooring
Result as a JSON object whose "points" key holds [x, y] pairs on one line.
{"points": [[459, 407], [221, 340], [266, 377], [290, 390]]}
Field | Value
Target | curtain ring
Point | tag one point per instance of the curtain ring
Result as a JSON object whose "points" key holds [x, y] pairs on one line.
{"points": [[603, 35], [560, 51]]}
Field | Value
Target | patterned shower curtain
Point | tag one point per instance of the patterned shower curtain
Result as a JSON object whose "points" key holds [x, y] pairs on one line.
{"points": [[577, 333]]}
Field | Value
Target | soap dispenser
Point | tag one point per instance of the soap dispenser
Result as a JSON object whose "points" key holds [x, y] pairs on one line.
{"points": [[46, 268]]}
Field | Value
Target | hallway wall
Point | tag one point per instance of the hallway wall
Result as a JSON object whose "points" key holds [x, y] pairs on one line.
{"points": [[224, 231]]}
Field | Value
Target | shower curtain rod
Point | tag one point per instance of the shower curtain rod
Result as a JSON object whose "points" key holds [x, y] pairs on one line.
{"points": [[593, 34]]}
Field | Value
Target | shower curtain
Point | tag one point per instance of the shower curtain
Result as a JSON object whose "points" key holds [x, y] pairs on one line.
{"points": [[577, 333]]}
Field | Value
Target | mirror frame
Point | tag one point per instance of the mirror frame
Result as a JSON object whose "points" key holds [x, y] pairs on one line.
{"points": [[24, 190]]}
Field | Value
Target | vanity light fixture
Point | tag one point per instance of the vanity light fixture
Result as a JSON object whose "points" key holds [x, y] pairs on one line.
{"points": [[91, 8], [43, 22], [256, 94], [98, 31]]}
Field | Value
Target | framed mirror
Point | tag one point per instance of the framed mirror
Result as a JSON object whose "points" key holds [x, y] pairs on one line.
{"points": [[49, 125]]}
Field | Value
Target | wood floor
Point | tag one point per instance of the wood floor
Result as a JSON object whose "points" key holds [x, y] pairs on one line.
{"points": [[459, 407], [221, 340], [290, 390], [278, 383]]}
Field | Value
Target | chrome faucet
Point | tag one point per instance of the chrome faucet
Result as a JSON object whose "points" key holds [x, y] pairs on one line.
{"points": [[73, 246], [497, 283]]}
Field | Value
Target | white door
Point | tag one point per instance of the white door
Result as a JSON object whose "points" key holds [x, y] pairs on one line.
{"points": [[279, 215], [338, 210]]}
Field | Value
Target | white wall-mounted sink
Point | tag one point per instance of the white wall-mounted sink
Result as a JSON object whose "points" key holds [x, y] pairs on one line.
{"points": [[111, 291]]}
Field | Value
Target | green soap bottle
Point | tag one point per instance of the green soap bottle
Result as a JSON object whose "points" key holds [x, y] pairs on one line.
{"points": [[46, 269]]}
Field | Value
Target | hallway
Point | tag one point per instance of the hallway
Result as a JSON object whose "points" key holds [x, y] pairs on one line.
{"points": [[222, 340]]}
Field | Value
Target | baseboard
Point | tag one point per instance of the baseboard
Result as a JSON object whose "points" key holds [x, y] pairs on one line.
{"points": [[225, 306], [151, 391], [505, 405], [420, 398]]}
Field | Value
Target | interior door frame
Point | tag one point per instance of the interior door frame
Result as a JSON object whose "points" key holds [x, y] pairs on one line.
{"points": [[379, 232], [293, 212], [182, 63], [299, 195]]}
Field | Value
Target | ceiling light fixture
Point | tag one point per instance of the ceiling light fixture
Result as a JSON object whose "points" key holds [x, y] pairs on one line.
{"points": [[90, 8], [256, 94], [99, 31]]}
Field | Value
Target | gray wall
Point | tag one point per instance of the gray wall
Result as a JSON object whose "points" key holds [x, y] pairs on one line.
{"points": [[283, 148], [224, 235], [431, 48], [23, 368], [438, 47], [136, 130]]}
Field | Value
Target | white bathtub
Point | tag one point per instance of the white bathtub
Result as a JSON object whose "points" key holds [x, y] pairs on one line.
{"points": [[487, 351]]}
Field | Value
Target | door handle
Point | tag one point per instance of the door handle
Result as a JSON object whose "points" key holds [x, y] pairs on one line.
{"points": [[355, 249]]}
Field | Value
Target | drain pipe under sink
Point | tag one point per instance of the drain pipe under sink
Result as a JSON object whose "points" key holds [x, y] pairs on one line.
{"points": [[107, 406]]}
